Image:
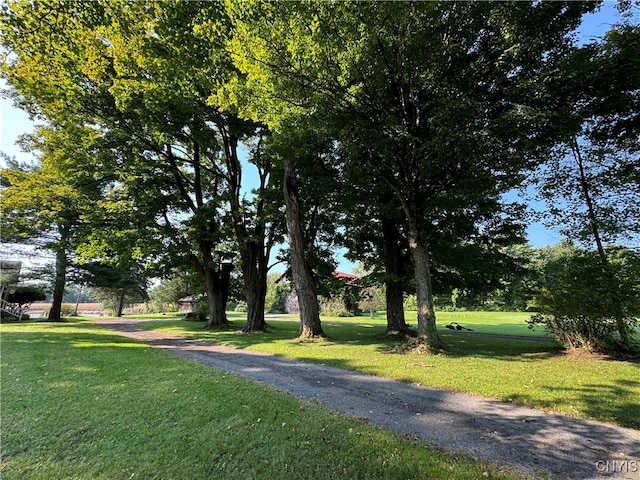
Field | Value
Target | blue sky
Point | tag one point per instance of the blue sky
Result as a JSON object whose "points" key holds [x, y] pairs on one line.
{"points": [[14, 122]]}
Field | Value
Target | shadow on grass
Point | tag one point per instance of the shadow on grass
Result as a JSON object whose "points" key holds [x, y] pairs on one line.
{"points": [[503, 348], [492, 430], [523, 349], [617, 403], [497, 429], [73, 333]]}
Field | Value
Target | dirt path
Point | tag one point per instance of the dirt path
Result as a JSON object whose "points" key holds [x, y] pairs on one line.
{"points": [[530, 442]]}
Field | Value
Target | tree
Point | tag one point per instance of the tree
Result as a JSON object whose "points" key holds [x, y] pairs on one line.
{"points": [[277, 292], [47, 204], [517, 287], [113, 286], [591, 181], [114, 65], [443, 101], [580, 304], [372, 299], [375, 234], [307, 158], [214, 136], [26, 294], [166, 294], [257, 228], [310, 326], [610, 105]]}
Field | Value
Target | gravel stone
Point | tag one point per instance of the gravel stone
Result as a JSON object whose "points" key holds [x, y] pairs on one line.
{"points": [[530, 442]]}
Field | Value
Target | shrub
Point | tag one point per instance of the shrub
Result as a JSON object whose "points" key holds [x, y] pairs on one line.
{"points": [[241, 307], [66, 310], [411, 303], [195, 317], [279, 302], [334, 307], [202, 306], [586, 304], [25, 294], [341, 312]]}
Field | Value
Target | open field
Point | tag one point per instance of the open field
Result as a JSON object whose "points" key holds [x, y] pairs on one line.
{"points": [[79, 402], [532, 373]]}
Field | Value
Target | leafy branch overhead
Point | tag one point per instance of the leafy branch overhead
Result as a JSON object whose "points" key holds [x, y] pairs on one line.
{"points": [[195, 135]]}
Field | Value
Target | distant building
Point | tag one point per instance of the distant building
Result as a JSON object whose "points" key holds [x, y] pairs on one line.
{"points": [[187, 305], [348, 278]]}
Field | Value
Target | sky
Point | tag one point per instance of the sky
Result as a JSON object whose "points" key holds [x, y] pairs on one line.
{"points": [[15, 122]]}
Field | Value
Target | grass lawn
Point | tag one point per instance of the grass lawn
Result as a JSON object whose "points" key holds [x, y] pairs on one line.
{"points": [[79, 402], [499, 323], [532, 373]]}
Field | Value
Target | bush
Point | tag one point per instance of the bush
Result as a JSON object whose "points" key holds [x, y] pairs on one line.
{"points": [[334, 307], [341, 312], [411, 303], [279, 302], [66, 310], [241, 307], [201, 306], [195, 317], [25, 294], [587, 305]]}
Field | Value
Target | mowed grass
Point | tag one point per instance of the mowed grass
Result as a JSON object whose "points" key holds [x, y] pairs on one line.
{"points": [[79, 402], [532, 372]]}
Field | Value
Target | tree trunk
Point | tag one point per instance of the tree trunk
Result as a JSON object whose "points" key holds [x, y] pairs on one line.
{"points": [[419, 250], [251, 243], [120, 302], [303, 281], [394, 269], [78, 300], [254, 272], [225, 282], [59, 283], [255, 307], [622, 327], [215, 298], [214, 283]]}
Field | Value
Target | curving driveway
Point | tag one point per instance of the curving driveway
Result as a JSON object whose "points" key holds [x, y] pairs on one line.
{"points": [[530, 442]]}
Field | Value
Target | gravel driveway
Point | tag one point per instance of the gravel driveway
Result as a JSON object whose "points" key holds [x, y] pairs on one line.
{"points": [[530, 442]]}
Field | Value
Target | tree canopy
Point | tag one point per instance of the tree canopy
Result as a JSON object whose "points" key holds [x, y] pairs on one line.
{"points": [[393, 128]]}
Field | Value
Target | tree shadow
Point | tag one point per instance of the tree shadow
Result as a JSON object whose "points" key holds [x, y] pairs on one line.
{"points": [[511, 348], [617, 403], [491, 430], [529, 440]]}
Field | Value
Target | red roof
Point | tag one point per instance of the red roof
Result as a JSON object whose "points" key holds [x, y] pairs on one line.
{"points": [[349, 278]]}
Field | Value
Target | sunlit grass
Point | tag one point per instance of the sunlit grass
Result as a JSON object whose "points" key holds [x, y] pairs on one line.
{"points": [[498, 323], [532, 373], [79, 402]]}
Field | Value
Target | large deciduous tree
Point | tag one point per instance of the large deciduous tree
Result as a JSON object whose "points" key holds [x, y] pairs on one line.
{"points": [[444, 101], [48, 204], [307, 159], [591, 182], [146, 73]]}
